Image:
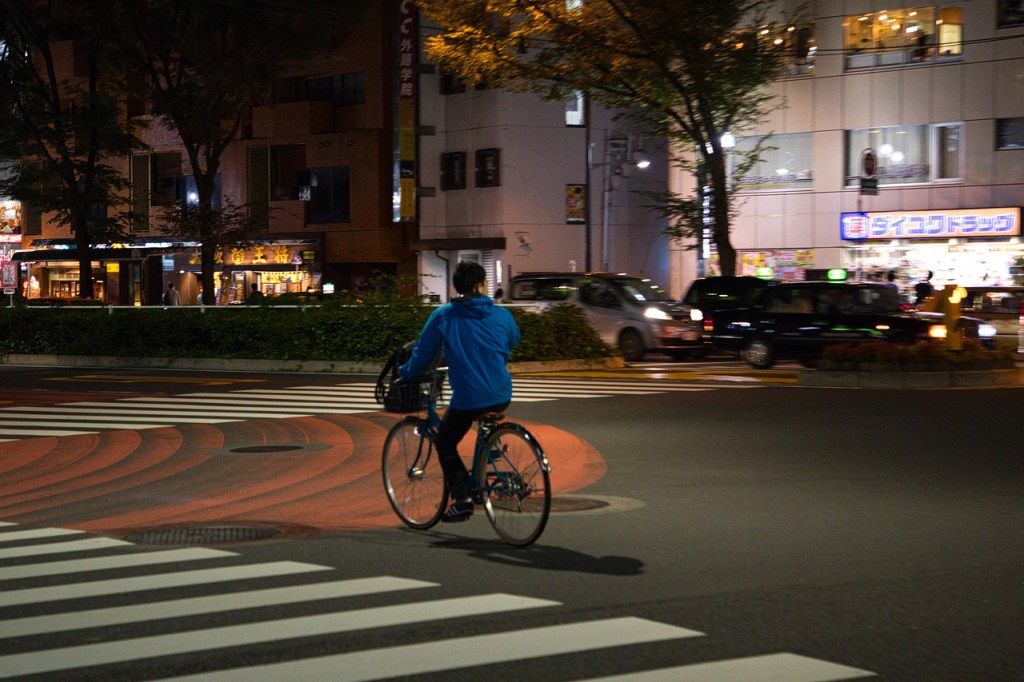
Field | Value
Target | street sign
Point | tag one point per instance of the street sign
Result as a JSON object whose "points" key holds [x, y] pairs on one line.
{"points": [[869, 186]]}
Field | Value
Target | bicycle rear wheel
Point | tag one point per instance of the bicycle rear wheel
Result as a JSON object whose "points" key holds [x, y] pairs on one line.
{"points": [[412, 474], [515, 484]]}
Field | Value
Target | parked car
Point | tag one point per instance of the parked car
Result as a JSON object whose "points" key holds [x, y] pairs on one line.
{"points": [[999, 306], [797, 320], [631, 313]]}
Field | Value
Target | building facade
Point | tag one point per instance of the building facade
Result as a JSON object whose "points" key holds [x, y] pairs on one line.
{"points": [[900, 147]]}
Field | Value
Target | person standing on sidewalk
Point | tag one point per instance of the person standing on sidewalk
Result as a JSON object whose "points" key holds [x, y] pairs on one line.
{"points": [[477, 337], [172, 296]]}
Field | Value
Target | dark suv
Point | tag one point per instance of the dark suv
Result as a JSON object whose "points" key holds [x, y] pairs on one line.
{"points": [[710, 294], [799, 319]]}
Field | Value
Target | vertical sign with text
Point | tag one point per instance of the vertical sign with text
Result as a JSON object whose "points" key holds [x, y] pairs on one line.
{"points": [[405, 175]]}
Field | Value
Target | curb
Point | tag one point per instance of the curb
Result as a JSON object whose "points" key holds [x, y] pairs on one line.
{"points": [[294, 366], [965, 379]]}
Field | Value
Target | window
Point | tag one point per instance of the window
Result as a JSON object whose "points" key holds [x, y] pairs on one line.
{"points": [[798, 46], [188, 192], [785, 165], [453, 170], [164, 177], [575, 113], [903, 36], [488, 168], [328, 194], [341, 90], [907, 154], [287, 161], [1010, 133]]}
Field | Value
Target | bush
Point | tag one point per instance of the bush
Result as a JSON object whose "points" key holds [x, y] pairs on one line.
{"points": [[921, 354], [332, 331]]}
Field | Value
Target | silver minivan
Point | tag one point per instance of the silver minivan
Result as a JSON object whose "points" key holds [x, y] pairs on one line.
{"points": [[631, 313]]}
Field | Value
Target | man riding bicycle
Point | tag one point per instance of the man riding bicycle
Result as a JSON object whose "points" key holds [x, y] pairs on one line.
{"points": [[477, 337]]}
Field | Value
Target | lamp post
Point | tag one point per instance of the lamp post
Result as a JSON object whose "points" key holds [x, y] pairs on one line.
{"points": [[619, 153]]}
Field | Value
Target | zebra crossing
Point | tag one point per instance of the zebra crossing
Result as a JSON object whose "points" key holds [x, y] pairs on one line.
{"points": [[62, 631], [158, 411]]}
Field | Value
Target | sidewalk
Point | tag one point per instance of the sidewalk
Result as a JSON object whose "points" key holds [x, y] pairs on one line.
{"points": [[294, 366]]}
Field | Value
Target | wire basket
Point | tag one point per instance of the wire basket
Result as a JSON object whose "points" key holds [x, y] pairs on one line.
{"points": [[413, 396]]}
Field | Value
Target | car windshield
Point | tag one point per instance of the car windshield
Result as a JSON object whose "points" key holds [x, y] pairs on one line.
{"points": [[639, 290]]}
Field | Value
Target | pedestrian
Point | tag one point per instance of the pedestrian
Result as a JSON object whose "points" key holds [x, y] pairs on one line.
{"points": [[172, 296], [256, 296], [476, 336], [923, 289]]}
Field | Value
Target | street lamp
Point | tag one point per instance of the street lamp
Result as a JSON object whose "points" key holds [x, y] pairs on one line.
{"points": [[620, 153]]}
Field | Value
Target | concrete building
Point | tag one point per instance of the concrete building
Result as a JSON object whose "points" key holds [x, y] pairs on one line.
{"points": [[924, 100]]}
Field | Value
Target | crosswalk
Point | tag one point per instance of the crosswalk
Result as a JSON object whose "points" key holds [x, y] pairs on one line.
{"points": [[157, 411], [98, 617]]}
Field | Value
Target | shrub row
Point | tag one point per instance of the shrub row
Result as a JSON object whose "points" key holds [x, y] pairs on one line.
{"points": [[331, 331], [919, 355]]}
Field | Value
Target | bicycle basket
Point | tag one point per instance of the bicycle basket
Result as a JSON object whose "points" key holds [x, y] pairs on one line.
{"points": [[407, 396]]}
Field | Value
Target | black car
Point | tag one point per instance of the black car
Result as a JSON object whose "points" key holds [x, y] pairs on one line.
{"points": [[797, 320], [711, 294]]}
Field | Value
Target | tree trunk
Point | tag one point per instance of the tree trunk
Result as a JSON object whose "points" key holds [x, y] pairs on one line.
{"points": [[720, 213], [80, 227], [206, 259]]}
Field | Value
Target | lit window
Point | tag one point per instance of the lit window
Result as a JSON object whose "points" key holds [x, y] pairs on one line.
{"points": [[907, 154], [574, 110], [903, 36], [785, 165]]}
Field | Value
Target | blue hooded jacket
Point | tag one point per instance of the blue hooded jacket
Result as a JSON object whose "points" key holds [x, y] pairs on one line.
{"points": [[477, 337]]}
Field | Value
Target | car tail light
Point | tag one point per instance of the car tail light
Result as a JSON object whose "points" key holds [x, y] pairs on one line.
{"points": [[709, 322]]}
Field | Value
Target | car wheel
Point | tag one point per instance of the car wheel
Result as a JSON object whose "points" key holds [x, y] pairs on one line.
{"points": [[759, 353], [632, 345]]}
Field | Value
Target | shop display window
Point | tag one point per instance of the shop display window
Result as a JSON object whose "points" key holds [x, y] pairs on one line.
{"points": [[903, 36], [784, 164]]}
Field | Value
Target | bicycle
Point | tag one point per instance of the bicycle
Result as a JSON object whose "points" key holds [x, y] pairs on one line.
{"points": [[510, 474]]}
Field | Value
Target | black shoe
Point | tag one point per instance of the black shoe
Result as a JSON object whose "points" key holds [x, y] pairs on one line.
{"points": [[460, 511]]}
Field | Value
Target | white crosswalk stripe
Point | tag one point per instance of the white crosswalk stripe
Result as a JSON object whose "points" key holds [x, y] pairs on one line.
{"points": [[154, 412], [68, 635]]}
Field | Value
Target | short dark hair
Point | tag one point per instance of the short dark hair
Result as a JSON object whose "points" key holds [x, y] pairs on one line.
{"points": [[467, 276]]}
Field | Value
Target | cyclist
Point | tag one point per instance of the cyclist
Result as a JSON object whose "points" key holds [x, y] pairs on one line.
{"points": [[477, 337]]}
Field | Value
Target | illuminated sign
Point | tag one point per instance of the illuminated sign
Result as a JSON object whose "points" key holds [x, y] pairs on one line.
{"points": [[968, 222]]}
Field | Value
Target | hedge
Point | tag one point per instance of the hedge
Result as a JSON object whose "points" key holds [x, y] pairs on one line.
{"points": [[330, 331]]}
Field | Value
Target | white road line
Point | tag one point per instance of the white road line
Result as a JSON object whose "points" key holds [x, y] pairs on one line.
{"points": [[69, 658], [179, 608], [30, 432], [214, 410], [645, 385], [227, 399], [78, 417], [154, 582], [87, 545], [788, 667], [33, 533], [96, 425], [107, 563], [451, 654]]}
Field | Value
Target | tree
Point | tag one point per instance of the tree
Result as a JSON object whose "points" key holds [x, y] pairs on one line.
{"points": [[65, 128], [689, 70], [209, 62]]}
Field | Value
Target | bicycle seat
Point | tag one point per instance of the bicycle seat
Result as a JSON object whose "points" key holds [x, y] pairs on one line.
{"points": [[490, 417]]}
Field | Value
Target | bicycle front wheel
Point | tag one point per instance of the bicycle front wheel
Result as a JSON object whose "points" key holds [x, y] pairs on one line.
{"points": [[412, 474], [515, 483]]}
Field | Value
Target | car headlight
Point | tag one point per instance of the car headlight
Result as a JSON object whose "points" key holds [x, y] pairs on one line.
{"points": [[986, 331], [937, 331], [657, 314], [696, 315]]}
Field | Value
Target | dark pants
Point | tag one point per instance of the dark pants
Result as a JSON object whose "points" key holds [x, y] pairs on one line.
{"points": [[454, 426]]}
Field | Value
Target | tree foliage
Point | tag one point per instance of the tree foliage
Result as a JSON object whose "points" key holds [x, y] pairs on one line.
{"points": [[65, 130], [208, 63], [690, 70]]}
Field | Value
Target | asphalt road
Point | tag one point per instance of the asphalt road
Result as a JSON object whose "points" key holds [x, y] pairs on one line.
{"points": [[711, 524]]}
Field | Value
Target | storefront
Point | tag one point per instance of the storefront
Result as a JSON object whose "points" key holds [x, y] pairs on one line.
{"points": [[972, 247], [276, 267]]}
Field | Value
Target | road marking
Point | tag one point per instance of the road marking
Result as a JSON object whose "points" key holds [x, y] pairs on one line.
{"points": [[34, 533], [154, 582], [129, 379], [180, 608], [77, 416], [87, 545], [111, 562], [69, 658], [788, 667], [451, 654], [38, 434]]}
